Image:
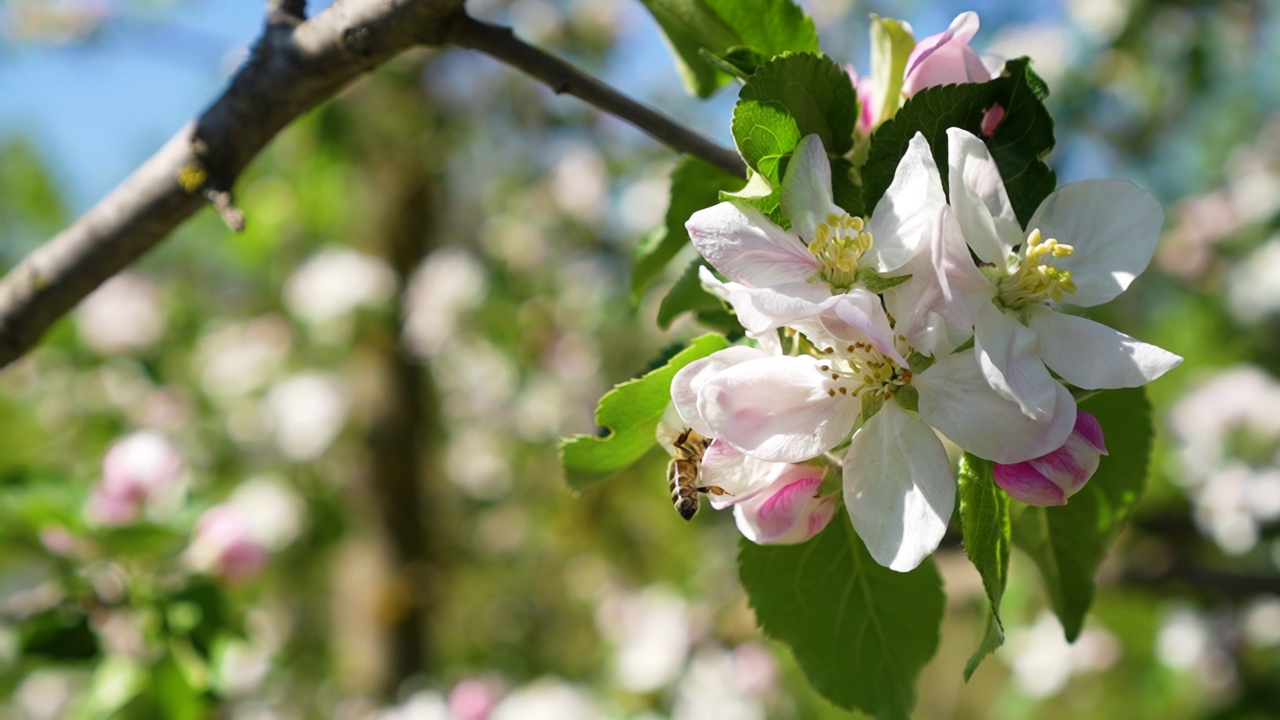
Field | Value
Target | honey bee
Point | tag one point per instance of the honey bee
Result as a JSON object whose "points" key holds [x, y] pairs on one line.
{"points": [[684, 473]]}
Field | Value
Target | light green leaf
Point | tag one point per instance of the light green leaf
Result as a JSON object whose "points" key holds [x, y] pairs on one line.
{"points": [[726, 29], [791, 96], [891, 45], [860, 632], [1068, 543], [628, 415], [984, 520], [694, 185]]}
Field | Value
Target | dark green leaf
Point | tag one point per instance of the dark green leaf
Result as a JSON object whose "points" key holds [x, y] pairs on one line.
{"points": [[1068, 543], [688, 295], [860, 632], [789, 97], [694, 185], [724, 29], [628, 415], [984, 520], [1019, 144]]}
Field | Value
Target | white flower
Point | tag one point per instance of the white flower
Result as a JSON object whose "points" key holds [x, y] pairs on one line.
{"points": [[1085, 244], [780, 276], [899, 485]]}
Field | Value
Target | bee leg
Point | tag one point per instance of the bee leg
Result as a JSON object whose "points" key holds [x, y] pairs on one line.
{"points": [[714, 490]]}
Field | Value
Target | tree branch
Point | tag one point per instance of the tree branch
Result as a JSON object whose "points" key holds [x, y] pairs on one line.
{"points": [[295, 65], [502, 44]]}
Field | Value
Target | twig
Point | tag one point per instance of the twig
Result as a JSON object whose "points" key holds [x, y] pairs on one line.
{"points": [[292, 69], [501, 43]]}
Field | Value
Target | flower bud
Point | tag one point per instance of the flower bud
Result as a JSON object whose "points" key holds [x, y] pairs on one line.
{"points": [[224, 544], [946, 58], [789, 511], [1052, 478]]}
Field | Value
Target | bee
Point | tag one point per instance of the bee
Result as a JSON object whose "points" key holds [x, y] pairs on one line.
{"points": [[684, 472]]}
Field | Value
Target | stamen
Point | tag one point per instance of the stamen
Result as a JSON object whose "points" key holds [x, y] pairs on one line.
{"points": [[838, 243], [1032, 279]]}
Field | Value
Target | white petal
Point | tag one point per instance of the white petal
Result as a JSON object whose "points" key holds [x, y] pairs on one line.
{"points": [[901, 221], [1092, 356], [739, 476], [777, 409], [748, 248], [806, 190], [852, 317], [763, 309], [944, 285], [1112, 224], [899, 488], [688, 382], [956, 399], [1010, 359], [979, 199]]}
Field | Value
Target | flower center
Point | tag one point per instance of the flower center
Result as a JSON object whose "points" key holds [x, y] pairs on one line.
{"points": [[859, 367], [838, 243], [1031, 278]]}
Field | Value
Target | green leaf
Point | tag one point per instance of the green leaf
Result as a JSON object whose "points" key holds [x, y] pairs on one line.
{"points": [[1019, 144], [984, 520], [759, 194], [791, 96], [1068, 543], [629, 414], [891, 46], [877, 283], [694, 185], [860, 632], [688, 295], [728, 29]]}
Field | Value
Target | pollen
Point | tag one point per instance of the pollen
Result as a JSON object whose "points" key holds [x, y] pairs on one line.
{"points": [[838, 243], [1035, 279]]}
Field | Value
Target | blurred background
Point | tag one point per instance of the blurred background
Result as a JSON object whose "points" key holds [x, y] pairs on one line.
{"points": [[310, 470]]}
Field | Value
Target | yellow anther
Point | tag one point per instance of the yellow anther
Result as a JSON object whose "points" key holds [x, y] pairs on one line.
{"points": [[1032, 279], [838, 243]]}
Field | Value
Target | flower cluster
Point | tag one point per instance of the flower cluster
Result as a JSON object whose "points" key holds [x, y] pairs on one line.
{"points": [[933, 316]]}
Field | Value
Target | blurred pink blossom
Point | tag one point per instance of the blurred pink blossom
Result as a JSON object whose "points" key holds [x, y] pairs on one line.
{"points": [[473, 699], [138, 469], [224, 545]]}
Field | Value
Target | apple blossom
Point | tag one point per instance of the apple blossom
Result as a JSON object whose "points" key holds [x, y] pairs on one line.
{"points": [[779, 276], [1084, 245], [899, 485], [1052, 478], [138, 470], [788, 511], [946, 58]]}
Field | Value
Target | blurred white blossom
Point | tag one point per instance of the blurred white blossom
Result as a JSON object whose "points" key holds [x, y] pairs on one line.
{"points": [[714, 686], [122, 316], [1043, 661], [548, 699], [447, 283], [335, 282], [1252, 292], [650, 631], [238, 359], [307, 412]]}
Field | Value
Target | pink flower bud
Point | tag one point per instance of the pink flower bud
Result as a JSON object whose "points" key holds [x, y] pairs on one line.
{"points": [[1051, 479], [788, 511], [140, 465], [946, 58], [991, 118], [225, 544]]}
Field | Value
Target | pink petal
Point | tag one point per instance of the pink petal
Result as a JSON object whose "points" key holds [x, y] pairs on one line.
{"points": [[748, 248], [1025, 483]]}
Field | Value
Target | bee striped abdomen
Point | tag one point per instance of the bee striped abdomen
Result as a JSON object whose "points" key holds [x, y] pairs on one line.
{"points": [[682, 479]]}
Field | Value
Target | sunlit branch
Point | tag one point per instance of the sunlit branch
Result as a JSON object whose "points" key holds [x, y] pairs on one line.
{"points": [[293, 68], [501, 43]]}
